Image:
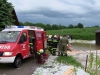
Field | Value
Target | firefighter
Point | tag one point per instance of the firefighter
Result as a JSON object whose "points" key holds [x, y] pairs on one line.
{"points": [[40, 56], [40, 52], [58, 38], [49, 42], [54, 45], [52, 37], [31, 45], [59, 50], [24, 37], [63, 45]]}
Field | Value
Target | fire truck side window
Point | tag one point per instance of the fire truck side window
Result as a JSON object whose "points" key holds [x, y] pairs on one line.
{"points": [[23, 38], [38, 35]]}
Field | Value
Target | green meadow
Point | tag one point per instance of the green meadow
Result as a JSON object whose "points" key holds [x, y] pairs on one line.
{"points": [[77, 33]]}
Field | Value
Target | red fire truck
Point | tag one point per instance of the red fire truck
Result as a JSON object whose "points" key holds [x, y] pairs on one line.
{"points": [[20, 42]]}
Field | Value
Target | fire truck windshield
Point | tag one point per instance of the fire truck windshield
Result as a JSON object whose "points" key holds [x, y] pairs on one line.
{"points": [[9, 36]]}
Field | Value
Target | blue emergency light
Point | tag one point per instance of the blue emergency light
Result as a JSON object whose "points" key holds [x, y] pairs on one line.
{"points": [[20, 26], [11, 27], [23, 27]]}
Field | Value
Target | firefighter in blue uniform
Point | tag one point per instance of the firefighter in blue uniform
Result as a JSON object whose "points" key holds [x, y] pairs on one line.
{"points": [[54, 45]]}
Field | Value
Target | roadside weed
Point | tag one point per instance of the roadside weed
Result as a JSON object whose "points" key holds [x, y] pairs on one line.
{"points": [[69, 60]]}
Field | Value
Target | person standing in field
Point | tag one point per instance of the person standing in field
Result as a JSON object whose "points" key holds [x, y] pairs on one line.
{"points": [[63, 45]]}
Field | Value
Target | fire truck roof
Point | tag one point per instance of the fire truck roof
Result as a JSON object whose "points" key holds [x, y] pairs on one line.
{"points": [[20, 28]]}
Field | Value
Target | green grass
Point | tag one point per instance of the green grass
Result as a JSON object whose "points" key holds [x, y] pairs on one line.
{"points": [[77, 33], [69, 60]]}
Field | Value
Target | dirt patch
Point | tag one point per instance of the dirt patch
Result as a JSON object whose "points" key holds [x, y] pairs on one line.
{"points": [[80, 56], [75, 52]]}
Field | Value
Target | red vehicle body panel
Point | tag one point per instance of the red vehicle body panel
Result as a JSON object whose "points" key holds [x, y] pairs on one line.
{"points": [[39, 40], [24, 48]]}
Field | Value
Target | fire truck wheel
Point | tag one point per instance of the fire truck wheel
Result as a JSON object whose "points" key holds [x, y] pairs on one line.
{"points": [[17, 62]]}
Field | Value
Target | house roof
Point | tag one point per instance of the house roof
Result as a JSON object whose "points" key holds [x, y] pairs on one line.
{"points": [[15, 17], [97, 31]]}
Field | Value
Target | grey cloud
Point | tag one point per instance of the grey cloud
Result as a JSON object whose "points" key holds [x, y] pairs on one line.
{"points": [[50, 13], [45, 12], [56, 14], [58, 17], [65, 22]]}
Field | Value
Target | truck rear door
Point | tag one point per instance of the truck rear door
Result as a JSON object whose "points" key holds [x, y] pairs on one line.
{"points": [[44, 39], [39, 42]]}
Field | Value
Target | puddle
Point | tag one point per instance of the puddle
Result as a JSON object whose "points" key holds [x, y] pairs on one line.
{"points": [[85, 46]]}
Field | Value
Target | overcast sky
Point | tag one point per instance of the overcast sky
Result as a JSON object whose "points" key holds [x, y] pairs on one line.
{"points": [[62, 12]]}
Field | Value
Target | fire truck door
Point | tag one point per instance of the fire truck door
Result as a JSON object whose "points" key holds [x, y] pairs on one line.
{"points": [[44, 40], [24, 45], [39, 42]]}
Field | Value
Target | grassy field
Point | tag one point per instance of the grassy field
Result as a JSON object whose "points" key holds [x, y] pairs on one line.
{"points": [[77, 33]]}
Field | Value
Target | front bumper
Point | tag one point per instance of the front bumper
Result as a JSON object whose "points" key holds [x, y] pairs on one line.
{"points": [[7, 59]]}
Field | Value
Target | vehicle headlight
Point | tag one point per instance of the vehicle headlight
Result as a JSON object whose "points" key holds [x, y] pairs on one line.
{"points": [[7, 53]]}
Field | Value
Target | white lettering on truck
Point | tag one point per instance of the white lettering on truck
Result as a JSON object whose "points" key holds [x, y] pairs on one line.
{"points": [[4, 47], [23, 47]]}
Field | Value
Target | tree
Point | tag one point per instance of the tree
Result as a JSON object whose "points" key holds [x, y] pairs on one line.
{"points": [[76, 26], [21, 23], [80, 25], [45, 26], [70, 26], [55, 26], [5, 13], [27, 24], [95, 26], [48, 27]]}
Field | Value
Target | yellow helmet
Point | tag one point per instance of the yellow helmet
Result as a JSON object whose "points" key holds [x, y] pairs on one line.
{"points": [[41, 51], [55, 36]]}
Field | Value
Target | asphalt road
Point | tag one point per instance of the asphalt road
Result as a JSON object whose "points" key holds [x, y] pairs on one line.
{"points": [[27, 68]]}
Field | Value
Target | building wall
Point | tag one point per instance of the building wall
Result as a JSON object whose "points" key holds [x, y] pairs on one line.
{"points": [[98, 38]]}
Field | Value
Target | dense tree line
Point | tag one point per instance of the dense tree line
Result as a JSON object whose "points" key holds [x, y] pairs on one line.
{"points": [[51, 27], [45, 26], [54, 26], [80, 25]]}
